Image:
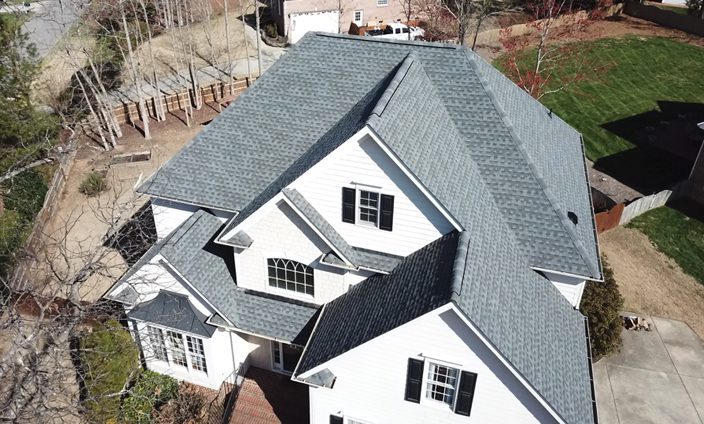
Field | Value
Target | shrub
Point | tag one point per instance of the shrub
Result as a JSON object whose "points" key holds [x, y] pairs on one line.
{"points": [[13, 232], [149, 393], [271, 31], [25, 194], [189, 406], [601, 303], [108, 358], [93, 184]]}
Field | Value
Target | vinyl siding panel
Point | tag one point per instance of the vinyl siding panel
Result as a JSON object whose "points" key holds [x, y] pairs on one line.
{"points": [[570, 287], [371, 378], [362, 163]]}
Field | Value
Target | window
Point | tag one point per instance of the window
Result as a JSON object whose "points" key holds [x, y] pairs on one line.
{"points": [[285, 356], [195, 348], [290, 275], [441, 383], [358, 17], [156, 337], [178, 353], [369, 207], [382, 2]]}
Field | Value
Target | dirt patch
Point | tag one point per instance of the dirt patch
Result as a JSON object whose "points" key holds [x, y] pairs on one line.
{"points": [[489, 47], [652, 283], [81, 223]]}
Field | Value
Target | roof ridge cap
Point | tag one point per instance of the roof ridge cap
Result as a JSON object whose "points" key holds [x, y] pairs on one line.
{"points": [[459, 267], [403, 67], [562, 218]]}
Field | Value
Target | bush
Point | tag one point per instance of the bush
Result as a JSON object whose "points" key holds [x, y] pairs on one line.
{"points": [[271, 31], [93, 184], [25, 194], [108, 357], [601, 303], [149, 393], [190, 406], [13, 232]]}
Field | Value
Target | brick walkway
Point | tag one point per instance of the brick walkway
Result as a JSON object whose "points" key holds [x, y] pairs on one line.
{"points": [[267, 398]]}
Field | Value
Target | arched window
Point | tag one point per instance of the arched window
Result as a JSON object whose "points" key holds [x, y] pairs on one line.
{"points": [[290, 275]]}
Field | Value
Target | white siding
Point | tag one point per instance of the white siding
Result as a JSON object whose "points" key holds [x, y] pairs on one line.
{"points": [[281, 233], [371, 378], [169, 215], [570, 287], [416, 221]]}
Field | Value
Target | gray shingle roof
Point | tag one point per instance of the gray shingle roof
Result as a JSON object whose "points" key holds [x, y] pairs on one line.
{"points": [[365, 258], [321, 92], [190, 250], [173, 310], [523, 315]]}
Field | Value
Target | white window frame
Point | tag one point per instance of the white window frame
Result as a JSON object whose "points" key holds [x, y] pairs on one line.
{"points": [[425, 400], [172, 337], [157, 344], [353, 420], [196, 353], [366, 223], [359, 21], [286, 291], [170, 350], [382, 3]]}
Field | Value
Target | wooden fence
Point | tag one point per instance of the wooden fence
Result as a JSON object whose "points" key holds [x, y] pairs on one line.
{"points": [[643, 205], [128, 110], [667, 18], [22, 273]]}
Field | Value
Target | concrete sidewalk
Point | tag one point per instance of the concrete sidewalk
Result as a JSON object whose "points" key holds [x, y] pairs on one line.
{"points": [[657, 377]]}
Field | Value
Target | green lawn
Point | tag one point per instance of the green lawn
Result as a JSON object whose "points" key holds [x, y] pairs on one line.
{"points": [[640, 71], [676, 235], [679, 10]]}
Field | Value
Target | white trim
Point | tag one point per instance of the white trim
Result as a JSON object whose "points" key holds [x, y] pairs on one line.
{"points": [[566, 274], [424, 399], [367, 130], [173, 199], [294, 374], [254, 215]]}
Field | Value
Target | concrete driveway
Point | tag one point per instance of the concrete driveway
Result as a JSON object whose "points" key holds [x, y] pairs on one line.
{"points": [[657, 377]]}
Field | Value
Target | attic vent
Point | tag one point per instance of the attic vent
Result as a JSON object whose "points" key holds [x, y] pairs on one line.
{"points": [[573, 217]]}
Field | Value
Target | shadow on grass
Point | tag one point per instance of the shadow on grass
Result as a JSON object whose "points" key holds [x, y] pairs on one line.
{"points": [[667, 142]]}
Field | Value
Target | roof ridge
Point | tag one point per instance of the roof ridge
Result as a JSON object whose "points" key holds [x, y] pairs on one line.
{"points": [[430, 44], [459, 268], [393, 85], [561, 217]]}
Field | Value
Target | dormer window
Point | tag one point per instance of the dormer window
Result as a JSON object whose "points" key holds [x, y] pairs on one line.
{"points": [[368, 208]]}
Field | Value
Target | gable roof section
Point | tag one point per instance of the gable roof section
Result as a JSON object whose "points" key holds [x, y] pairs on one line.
{"points": [[522, 314], [304, 107], [206, 267], [173, 310]]}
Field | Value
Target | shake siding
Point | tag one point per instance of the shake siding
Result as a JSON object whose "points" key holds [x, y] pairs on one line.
{"points": [[371, 378], [416, 221], [281, 233]]}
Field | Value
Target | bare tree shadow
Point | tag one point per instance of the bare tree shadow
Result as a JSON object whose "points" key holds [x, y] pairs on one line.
{"points": [[666, 141]]}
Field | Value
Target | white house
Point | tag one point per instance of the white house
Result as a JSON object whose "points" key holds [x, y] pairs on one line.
{"points": [[394, 225]]}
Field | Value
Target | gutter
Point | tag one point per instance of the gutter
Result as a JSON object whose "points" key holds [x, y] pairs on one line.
{"points": [[591, 370]]}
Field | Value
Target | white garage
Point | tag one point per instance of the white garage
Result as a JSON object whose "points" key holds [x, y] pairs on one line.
{"points": [[321, 21]]}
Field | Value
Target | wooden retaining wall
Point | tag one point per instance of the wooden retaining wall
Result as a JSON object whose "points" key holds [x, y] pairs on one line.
{"points": [[128, 111]]}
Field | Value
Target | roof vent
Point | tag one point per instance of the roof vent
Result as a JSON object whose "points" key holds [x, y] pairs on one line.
{"points": [[573, 217]]}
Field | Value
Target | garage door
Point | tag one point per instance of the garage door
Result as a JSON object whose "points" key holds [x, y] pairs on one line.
{"points": [[313, 21]]}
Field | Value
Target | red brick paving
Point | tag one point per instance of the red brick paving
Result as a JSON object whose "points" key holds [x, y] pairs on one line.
{"points": [[268, 398]]}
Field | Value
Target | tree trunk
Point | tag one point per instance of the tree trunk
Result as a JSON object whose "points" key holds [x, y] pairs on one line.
{"points": [[135, 77], [259, 47], [246, 44], [158, 104], [96, 120], [231, 78]]}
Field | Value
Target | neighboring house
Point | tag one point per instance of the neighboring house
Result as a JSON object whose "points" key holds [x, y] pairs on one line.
{"points": [[297, 17], [394, 224]]}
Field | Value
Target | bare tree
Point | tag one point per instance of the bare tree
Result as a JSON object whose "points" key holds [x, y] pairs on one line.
{"points": [[137, 80]]}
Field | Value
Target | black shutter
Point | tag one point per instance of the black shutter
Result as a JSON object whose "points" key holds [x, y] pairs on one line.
{"points": [[386, 220], [414, 377], [348, 199], [466, 393], [334, 419]]}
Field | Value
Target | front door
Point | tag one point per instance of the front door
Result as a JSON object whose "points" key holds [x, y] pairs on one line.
{"points": [[285, 356]]}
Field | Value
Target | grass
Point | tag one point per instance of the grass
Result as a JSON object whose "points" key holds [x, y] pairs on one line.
{"points": [[676, 235], [678, 10], [639, 72]]}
